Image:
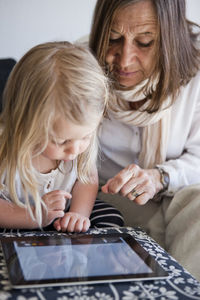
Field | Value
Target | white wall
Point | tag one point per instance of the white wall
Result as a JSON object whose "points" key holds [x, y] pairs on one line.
{"points": [[25, 23], [193, 10]]}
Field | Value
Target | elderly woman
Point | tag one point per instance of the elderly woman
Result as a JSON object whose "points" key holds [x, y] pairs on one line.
{"points": [[150, 140]]}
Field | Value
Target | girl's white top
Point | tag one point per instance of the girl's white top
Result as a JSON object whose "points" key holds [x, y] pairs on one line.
{"points": [[62, 178]]}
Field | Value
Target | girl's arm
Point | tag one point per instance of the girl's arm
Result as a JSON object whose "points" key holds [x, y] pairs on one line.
{"points": [[13, 216], [83, 198]]}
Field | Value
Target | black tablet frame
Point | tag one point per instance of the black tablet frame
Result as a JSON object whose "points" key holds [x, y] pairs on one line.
{"points": [[18, 281]]}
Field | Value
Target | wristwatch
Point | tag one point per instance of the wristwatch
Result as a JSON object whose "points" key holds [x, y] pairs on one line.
{"points": [[164, 178]]}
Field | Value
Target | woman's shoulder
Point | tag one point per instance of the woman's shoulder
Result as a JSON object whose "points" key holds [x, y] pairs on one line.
{"points": [[197, 76], [189, 95], [194, 83]]}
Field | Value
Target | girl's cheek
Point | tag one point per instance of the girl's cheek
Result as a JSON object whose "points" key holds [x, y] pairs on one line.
{"points": [[85, 146]]}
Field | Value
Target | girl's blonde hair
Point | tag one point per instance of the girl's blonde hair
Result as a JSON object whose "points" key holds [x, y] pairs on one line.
{"points": [[50, 79]]}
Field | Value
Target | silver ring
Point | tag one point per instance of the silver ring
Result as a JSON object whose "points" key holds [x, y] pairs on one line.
{"points": [[134, 193]]}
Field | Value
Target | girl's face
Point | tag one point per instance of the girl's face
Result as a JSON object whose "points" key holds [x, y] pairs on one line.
{"points": [[68, 140], [132, 44]]}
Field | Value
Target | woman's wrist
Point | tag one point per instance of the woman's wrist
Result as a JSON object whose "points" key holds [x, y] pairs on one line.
{"points": [[164, 178], [155, 177]]}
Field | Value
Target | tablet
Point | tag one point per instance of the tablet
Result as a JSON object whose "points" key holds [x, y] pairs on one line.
{"points": [[36, 261]]}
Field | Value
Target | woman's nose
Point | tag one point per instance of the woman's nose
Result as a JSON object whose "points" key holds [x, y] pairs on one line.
{"points": [[127, 55]]}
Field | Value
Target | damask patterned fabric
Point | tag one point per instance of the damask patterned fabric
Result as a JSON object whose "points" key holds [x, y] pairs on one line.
{"points": [[179, 285]]}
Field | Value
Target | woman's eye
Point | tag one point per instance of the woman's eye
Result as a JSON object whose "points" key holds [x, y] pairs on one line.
{"points": [[114, 40], [145, 45]]}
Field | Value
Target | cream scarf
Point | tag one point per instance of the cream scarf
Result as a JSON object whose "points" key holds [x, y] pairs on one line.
{"points": [[155, 126]]}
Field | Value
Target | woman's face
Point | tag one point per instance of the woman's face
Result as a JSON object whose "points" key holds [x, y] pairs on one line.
{"points": [[132, 44]]}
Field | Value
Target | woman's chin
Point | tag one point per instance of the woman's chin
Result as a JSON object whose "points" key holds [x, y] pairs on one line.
{"points": [[128, 82]]}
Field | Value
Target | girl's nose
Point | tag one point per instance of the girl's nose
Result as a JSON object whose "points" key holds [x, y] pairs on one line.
{"points": [[74, 148]]}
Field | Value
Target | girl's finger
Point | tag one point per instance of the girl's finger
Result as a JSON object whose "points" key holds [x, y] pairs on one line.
{"points": [[58, 193], [79, 225], [58, 205], [71, 224], [56, 224], [64, 222], [86, 225]]}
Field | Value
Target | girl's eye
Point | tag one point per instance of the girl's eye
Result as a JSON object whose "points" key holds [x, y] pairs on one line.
{"points": [[145, 45], [60, 143], [64, 143]]}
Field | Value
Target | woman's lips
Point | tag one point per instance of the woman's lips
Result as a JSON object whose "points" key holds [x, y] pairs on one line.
{"points": [[125, 74]]}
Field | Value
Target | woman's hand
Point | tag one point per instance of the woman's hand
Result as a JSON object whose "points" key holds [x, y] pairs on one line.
{"points": [[139, 185], [72, 222], [55, 202]]}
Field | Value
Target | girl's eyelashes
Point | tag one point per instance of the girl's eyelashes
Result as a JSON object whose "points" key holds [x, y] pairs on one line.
{"points": [[68, 141], [59, 143], [63, 143]]}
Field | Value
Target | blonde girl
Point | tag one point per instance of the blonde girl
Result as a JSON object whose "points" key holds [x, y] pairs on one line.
{"points": [[54, 101]]}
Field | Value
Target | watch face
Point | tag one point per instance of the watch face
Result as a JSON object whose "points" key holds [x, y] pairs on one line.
{"points": [[165, 179]]}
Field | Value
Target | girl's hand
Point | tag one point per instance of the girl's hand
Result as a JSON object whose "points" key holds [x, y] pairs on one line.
{"points": [[55, 202], [139, 185], [72, 222]]}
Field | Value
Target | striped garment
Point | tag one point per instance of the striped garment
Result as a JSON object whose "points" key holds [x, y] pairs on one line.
{"points": [[103, 215]]}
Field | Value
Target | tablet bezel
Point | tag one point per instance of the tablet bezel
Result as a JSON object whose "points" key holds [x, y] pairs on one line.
{"points": [[18, 280]]}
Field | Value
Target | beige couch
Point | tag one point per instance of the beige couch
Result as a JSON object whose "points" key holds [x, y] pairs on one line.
{"points": [[128, 208]]}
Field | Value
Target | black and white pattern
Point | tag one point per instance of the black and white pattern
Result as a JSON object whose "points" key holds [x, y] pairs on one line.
{"points": [[179, 285], [105, 215]]}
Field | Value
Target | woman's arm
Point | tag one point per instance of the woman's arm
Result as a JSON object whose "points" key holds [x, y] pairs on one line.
{"points": [[184, 170], [183, 156], [83, 198], [135, 183], [183, 153]]}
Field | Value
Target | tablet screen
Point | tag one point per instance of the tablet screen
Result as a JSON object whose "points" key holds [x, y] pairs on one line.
{"points": [[75, 259]]}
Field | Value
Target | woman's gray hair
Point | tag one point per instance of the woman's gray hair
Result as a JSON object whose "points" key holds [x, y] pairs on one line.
{"points": [[177, 58]]}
